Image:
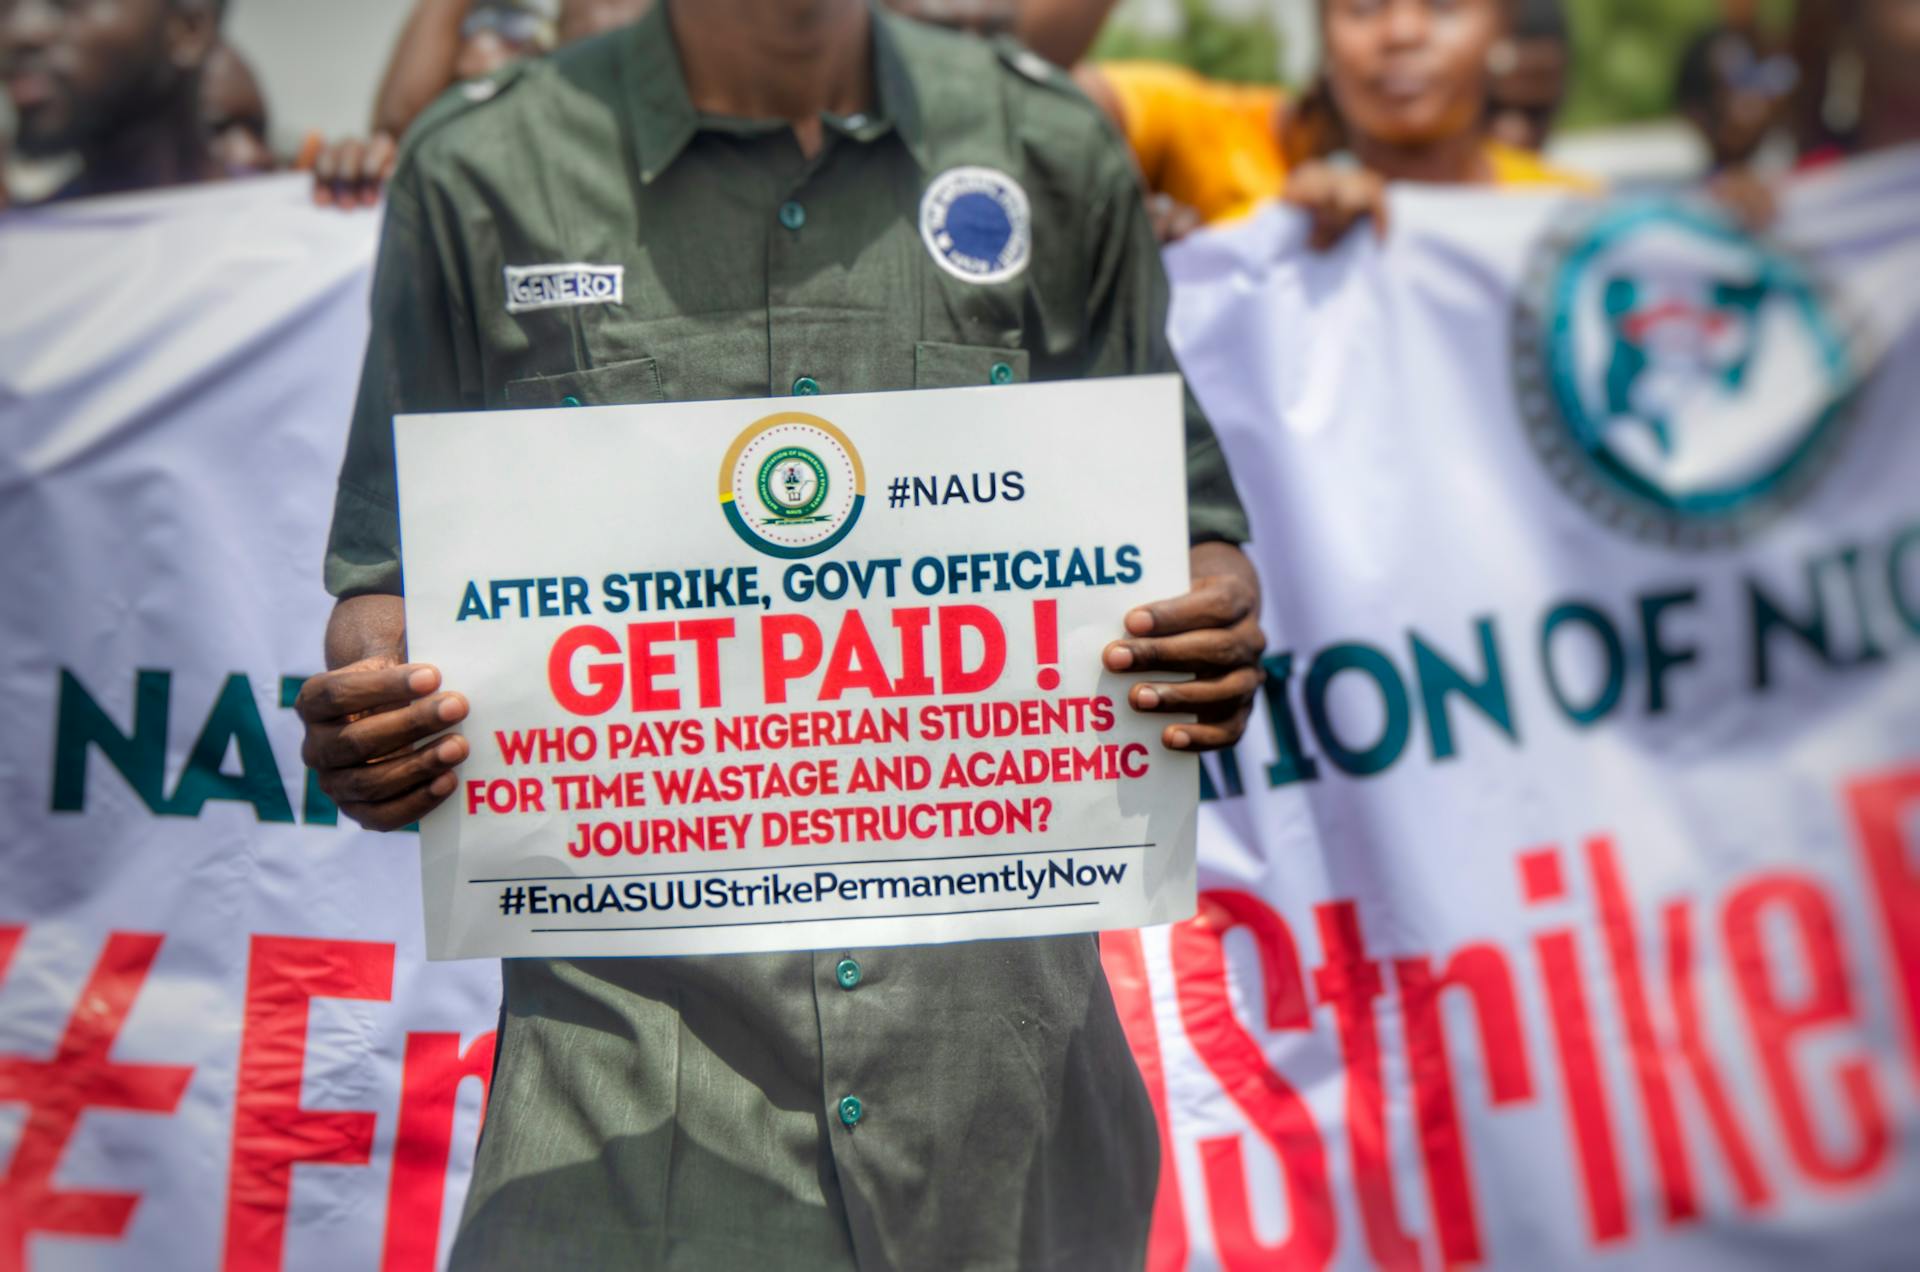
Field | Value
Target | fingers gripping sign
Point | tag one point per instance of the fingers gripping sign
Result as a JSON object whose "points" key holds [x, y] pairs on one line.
{"points": [[1335, 199], [366, 723], [1213, 634]]}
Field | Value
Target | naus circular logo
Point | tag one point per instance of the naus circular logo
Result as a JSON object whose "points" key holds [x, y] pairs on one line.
{"points": [[791, 485]]}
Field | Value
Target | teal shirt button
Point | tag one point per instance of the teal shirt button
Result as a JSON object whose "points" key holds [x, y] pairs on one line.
{"points": [[569, 400], [847, 973], [806, 386], [792, 215], [850, 1109], [1001, 373]]}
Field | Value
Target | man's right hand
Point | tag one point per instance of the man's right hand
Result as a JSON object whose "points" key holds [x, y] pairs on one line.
{"points": [[365, 722]]}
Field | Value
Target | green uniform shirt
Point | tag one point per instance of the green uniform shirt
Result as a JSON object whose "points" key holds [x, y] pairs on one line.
{"points": [[695, 1112]]}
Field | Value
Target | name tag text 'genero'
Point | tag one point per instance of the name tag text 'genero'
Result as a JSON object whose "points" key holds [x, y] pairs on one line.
{"points": [[531, 287]]}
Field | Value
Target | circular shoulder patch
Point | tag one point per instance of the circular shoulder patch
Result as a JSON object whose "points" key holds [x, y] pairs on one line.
{"points": [[977, 224]]}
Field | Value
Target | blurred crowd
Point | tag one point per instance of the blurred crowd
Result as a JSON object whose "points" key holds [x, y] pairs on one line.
{"points": [[138, 94]]}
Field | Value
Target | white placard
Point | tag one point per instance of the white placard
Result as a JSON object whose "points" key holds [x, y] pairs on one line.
{"points": [[749, 677]]}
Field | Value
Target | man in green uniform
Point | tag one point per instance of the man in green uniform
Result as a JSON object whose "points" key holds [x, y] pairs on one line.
{"points": [[743, 198]]}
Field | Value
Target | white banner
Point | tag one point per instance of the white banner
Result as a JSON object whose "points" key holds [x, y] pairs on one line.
{"points": [[751, 678], [220, 1046], [1563, 904]]}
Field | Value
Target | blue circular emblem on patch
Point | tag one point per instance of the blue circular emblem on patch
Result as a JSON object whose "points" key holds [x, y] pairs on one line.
{"points": [[976, 224], [1683, 381]]}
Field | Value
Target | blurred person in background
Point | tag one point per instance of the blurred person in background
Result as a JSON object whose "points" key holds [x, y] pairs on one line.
{"points": [[1856, 66], [1529, 69], [1403, 94], [443, 43], [1734, 91], [116, 82], [1736, 94], [234, 111], [1861, 69], [446, 41], [1888, 32]]}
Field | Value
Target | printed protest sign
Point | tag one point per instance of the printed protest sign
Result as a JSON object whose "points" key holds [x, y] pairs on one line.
{"points": [[750, 677]]}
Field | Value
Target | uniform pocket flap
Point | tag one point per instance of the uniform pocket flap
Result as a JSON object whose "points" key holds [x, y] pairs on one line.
{"points": [[952, 366], [616, 384]]}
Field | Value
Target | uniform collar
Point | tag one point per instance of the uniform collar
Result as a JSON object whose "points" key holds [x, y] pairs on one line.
{"points": [[664, 119]]}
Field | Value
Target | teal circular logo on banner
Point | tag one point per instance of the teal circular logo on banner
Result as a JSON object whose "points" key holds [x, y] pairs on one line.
{"points": [[1684, 381]]}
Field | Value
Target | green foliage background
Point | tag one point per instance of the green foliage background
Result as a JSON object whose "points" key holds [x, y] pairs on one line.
{"points": [[1246, 50], [1627, 52]]}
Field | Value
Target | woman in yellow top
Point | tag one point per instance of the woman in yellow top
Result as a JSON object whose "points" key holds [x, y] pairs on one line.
{"points": [[1402, 96]]}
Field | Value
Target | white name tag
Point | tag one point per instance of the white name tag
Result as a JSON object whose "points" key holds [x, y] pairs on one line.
{"points": [[532, 287]]}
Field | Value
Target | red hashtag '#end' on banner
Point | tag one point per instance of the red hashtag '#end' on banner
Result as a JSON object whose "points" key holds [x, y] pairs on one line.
{"points": [[79, 1077]]}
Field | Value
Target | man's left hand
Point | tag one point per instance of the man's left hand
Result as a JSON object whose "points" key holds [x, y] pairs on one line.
{"points": [[1212, 632]]}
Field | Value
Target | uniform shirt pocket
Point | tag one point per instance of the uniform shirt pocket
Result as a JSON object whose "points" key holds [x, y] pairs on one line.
{"points": [[953, 366], [616, 384]]}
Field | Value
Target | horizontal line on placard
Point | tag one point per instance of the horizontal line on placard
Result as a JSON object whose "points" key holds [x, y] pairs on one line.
{"points": [[844, 918], [806, 865]]}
